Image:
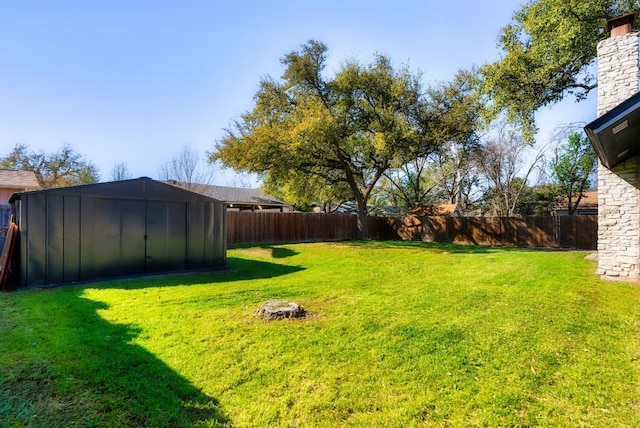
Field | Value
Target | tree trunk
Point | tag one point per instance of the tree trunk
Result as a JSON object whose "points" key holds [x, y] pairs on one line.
{"points": [[363, 227]]}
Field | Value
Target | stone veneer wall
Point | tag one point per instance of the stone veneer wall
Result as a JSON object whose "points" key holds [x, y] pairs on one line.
{"points": [[618, 189]]}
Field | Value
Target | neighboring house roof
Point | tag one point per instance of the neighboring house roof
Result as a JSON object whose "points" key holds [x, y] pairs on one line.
{"points": [[589, 202], [447, 210], [236, 197], [350, 207], [21, 180], [16, 181]]}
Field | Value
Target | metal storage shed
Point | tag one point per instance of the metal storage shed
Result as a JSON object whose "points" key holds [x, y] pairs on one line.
{"points": [[120, 228]]}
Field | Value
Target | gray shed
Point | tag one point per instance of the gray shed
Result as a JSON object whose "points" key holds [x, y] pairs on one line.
{"points": [[120, 228]]}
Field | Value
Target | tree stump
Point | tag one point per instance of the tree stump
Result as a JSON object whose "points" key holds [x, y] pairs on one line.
{"points": [[280, 309]]}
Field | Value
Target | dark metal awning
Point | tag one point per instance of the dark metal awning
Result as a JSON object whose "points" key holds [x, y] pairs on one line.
{"points": [[616, 135]]}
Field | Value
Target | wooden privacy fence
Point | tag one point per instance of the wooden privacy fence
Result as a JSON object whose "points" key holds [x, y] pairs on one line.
{"points": [[579, 232], [245, 227]]}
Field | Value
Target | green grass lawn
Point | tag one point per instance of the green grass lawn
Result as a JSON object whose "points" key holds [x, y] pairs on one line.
{"points": [[398, 334]]}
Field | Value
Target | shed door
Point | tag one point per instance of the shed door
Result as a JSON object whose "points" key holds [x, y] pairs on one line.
{"points": [[118, 238], [133, 242], [166, 236]]}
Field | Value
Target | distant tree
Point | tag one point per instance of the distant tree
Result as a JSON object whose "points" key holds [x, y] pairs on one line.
{"points": [[304, 191], [548, 49], [572, 168], [120, 171], [63, 168], [185, 170], [501, 161], [454, 112], [347, 129], [406, 187], [537, 200]]}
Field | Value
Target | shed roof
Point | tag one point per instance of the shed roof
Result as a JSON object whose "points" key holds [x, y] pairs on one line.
{"points": [[435, 210], [137, 189], [10, 179]]}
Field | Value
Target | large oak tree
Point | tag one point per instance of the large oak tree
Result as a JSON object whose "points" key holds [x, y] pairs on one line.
{"points": [[548, 50], [346, 129], [63, 168]]}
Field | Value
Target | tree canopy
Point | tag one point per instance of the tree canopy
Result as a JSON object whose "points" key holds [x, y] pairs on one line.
{"points": [[348, 129], [303, 191], [63, 168], [454, 112], [548, 48]]}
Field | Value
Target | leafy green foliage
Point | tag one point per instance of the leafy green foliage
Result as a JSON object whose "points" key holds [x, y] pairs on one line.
{"points": [[573, 168], [399, 334], [302, 190], [64, 168], [454, 110], [548, 49], [538, 201], [347, 130]]}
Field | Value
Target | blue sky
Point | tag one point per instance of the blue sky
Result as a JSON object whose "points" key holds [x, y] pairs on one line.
{"points": [[134, 81]]}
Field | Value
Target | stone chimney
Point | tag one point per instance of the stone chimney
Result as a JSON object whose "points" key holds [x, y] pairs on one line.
{"points": [[619, 187]]}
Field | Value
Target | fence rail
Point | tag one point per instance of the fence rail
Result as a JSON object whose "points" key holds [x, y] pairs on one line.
{"points": [[579, 232]]}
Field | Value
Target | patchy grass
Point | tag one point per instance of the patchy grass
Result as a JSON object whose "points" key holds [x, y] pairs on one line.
{"points": [[399, 334]]}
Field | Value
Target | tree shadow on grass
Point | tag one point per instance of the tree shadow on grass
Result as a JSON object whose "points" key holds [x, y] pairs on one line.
{"points": [[82, 370], [430, 246], [87, 371], [439, 247]]}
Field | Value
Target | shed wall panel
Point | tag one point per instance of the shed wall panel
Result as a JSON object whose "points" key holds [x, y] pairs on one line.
{"points": [[219, 234], [209, 231], [86, 238], [132, 239], [106, 227], [55, 238], [37, 244], [196, 236], [166, 229], [71, 238]]}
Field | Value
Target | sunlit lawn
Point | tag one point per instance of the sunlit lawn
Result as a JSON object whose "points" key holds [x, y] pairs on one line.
{"points": [[398, 334]]}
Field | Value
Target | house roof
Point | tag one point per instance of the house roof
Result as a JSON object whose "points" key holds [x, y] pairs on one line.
{"points": [[589, 201], [22, 180], [434, 210], [143, 188], [236, 195]]}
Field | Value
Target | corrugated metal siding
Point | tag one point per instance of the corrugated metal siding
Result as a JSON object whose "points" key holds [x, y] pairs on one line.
{"points": [[5, 216], [124, 228]]}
